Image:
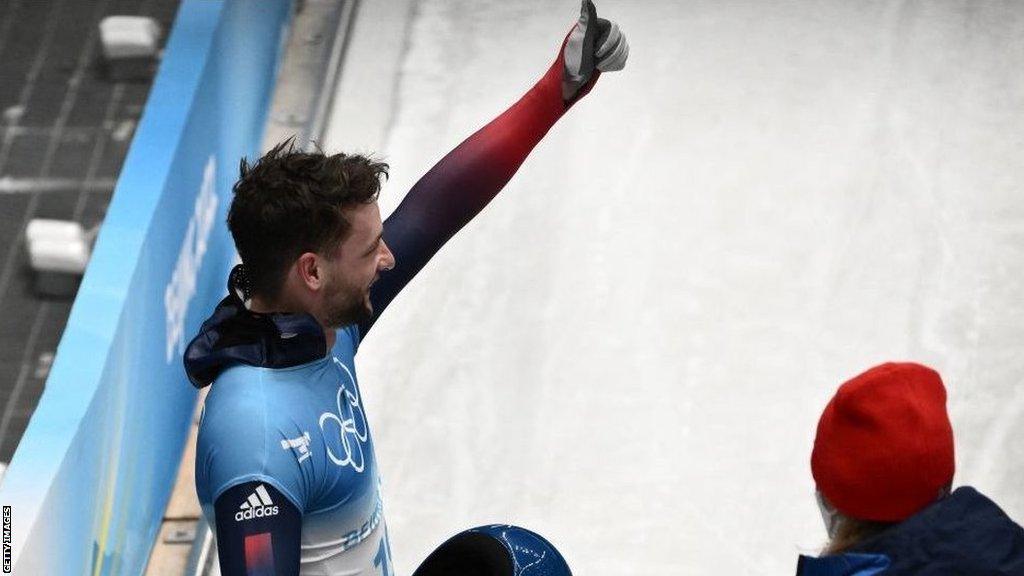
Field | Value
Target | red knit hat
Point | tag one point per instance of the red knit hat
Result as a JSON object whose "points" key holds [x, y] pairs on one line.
{"points": [[884, 447]]}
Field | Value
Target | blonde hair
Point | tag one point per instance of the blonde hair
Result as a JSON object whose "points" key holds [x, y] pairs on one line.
{"points": [[851, 531]]}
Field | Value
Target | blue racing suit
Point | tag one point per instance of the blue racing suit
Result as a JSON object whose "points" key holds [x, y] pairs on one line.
{"points": [[295, 437]]}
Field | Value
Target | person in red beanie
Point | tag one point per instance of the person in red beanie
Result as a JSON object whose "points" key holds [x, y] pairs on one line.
{"points": [[883, 466]]}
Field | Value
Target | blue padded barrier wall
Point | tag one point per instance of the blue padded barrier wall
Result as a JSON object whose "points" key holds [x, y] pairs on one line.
{"points": [[92, 475]]}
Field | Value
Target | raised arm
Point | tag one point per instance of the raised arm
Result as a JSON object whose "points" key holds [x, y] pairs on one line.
{"points": [[458, 187]]}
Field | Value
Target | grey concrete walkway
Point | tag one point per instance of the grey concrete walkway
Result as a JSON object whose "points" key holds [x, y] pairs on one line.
{"points": [[64, 131]]}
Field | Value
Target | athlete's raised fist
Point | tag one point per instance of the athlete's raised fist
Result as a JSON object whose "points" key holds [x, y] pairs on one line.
{"points": [[594, 45]]}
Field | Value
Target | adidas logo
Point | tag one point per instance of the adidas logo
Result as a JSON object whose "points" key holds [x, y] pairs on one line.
{"points": [[257, 505]]}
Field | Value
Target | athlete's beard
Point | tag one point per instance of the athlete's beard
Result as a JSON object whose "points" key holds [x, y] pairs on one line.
{"points": [[346, 306]]}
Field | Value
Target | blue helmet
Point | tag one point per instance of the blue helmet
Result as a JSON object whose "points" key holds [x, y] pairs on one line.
{"points": [[495, 550]]}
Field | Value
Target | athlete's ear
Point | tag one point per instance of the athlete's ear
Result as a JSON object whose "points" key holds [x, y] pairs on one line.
{"points": [[310, 270]]}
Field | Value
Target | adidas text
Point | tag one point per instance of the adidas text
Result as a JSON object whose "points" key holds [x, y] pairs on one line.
{"points": [[251, 513]]}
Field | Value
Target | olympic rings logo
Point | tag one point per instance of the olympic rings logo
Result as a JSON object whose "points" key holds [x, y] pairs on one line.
{"points": [[352, 429]]}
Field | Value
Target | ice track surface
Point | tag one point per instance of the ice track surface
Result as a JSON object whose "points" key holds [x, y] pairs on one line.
{"points": [[629, 349]]}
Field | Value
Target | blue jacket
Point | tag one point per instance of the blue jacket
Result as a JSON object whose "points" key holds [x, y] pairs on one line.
{"points": [[962, 534]]}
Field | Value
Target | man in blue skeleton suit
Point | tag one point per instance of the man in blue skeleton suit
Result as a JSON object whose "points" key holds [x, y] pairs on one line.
{"points": [[285, 467]]}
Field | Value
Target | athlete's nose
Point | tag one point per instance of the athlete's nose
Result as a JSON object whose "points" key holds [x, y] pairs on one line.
{"points": [[388, 259]]}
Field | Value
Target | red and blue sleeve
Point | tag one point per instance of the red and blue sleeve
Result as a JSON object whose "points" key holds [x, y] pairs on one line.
{"points": [[458, 187]]}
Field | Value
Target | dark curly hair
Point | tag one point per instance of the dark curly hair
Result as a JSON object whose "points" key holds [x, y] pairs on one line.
{"points": [[290, 202]]}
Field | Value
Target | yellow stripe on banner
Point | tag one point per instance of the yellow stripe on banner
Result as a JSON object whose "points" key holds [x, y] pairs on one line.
{"points": [[108, 502]]}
